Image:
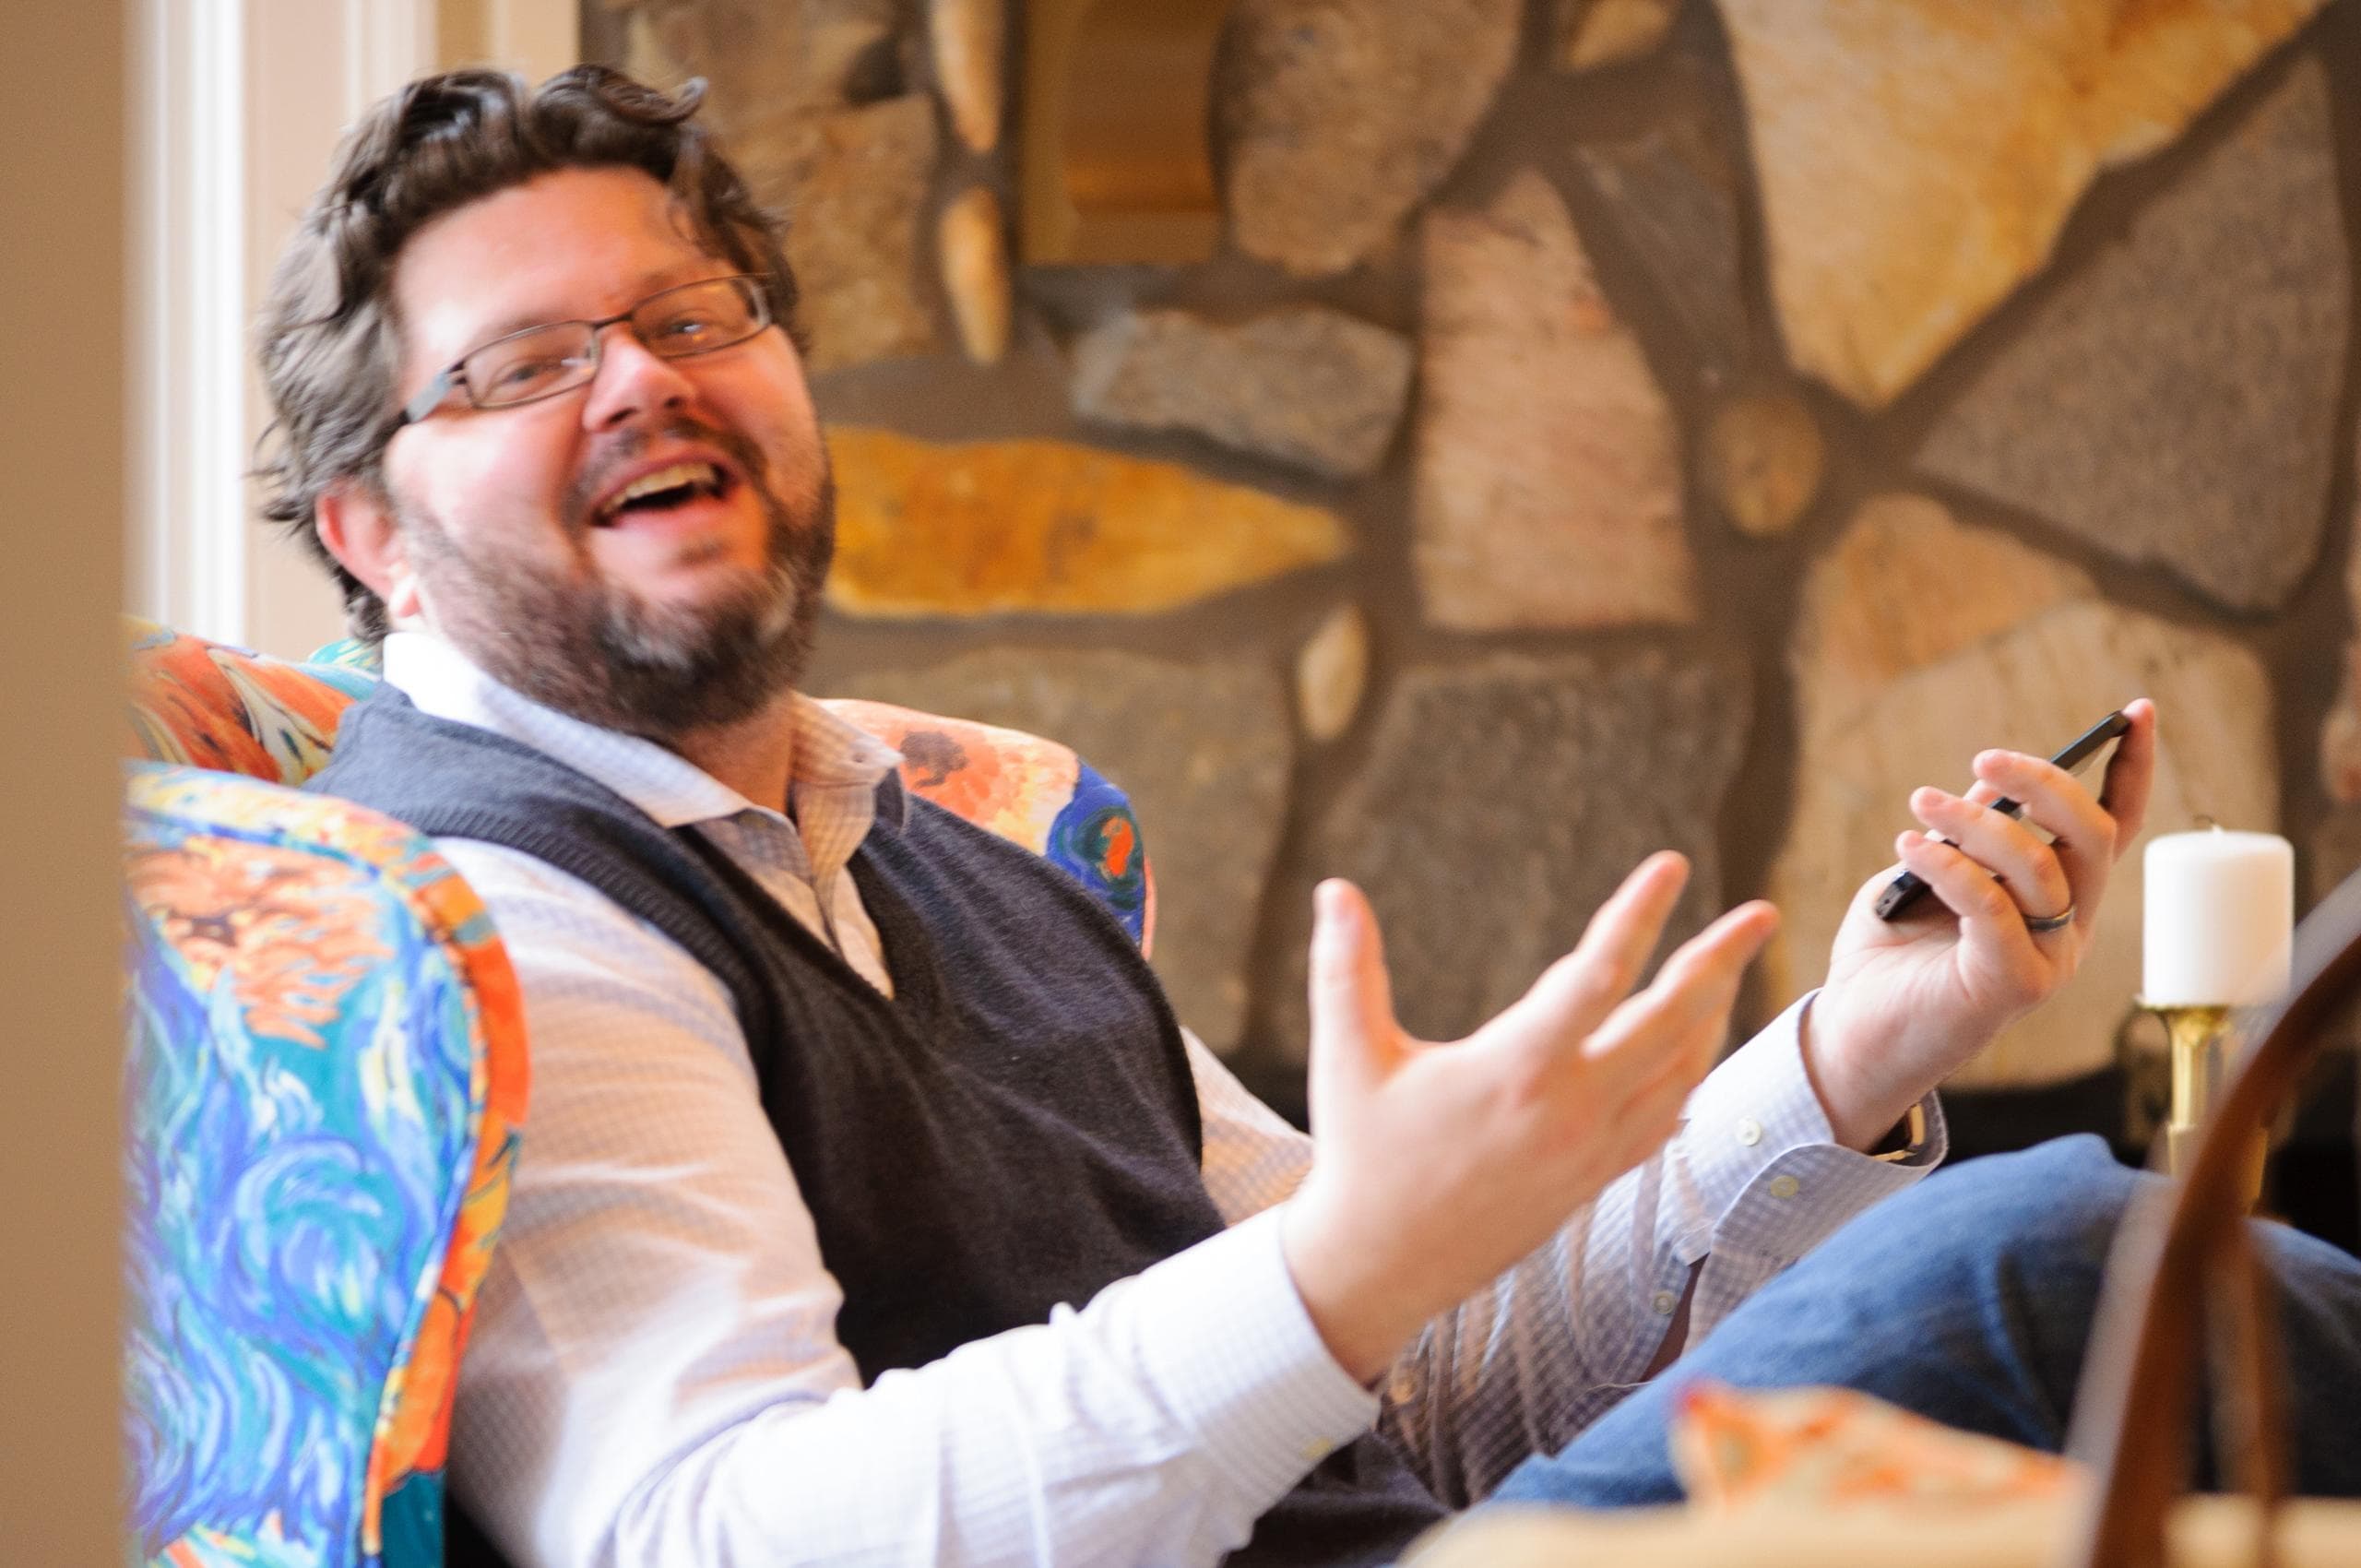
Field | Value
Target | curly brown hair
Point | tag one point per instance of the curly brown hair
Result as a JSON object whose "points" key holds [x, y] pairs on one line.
{"points": [[330, 337]]}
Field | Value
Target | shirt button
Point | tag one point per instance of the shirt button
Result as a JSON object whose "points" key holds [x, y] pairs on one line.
{"points": [[1784, 1186], [1750, 1130], [1316, 1450], [1404, 1387], [1662, 1303]]}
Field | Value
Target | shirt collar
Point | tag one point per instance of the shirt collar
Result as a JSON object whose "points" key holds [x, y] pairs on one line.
{"points": [[672, 790]]}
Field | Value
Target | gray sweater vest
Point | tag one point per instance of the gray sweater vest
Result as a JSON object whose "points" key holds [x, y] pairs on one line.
{"points": [[1016, 1128]]}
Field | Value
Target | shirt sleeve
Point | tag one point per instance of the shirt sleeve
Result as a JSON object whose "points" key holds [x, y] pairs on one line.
{"points": [[653, 1374], [1751, 1182], [1254, 1159]]}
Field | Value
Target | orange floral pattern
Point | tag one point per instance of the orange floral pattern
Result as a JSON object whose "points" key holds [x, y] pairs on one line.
{"points": [[1833, 1448]]}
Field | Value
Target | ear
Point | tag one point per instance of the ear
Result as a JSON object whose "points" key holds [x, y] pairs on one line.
{"points": [[356, 523]]}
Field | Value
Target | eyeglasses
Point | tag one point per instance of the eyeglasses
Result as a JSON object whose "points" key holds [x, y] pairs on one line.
{"points": [[541, 361]]}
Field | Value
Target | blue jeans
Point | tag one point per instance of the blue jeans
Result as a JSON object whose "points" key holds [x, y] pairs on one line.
{"points": [[1967, 1299]]}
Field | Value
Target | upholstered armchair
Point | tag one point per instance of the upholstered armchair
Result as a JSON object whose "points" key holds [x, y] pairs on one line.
{"points": [[328, 1091]]}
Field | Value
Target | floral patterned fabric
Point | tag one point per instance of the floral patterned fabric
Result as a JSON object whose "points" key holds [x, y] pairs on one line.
{"points": [[1830, 1449], [325, 1088], [326, 1080], [211, 705], [1028, 791]]}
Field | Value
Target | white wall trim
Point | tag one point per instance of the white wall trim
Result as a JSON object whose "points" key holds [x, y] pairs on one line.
{"points": [[385, 43], [191, 509], [245, 102]]}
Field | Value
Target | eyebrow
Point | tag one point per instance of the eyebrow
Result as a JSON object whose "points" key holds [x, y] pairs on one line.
{"points": [[647, 283]]}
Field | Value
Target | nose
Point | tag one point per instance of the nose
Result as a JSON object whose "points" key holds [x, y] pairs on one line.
{"points": [[632, 382]]}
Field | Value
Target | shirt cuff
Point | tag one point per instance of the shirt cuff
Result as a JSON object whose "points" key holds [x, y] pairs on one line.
{"points": [[1229, 1346], [1767, 1174]]}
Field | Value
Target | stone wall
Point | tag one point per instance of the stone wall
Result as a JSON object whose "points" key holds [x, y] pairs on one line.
{"points": [[1606, 425]]}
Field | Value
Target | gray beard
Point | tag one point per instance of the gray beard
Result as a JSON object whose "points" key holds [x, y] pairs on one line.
{"points": [[601, 655]]}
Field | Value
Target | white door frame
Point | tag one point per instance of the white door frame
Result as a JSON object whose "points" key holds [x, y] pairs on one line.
{"points": [[241, 105]]}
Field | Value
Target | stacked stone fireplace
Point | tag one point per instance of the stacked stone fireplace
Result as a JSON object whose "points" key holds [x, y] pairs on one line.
{"points": [[1593, 425]]}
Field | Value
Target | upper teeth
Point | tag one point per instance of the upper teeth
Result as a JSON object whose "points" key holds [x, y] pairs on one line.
{"points": [[674, 477]]}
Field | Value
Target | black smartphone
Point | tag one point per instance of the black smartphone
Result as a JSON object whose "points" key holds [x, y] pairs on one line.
{"points": [[1906, 889]]}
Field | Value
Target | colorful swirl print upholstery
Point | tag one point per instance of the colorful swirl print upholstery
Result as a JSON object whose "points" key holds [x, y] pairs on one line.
{"points": [[209, 705], [1028, 791], [326, 1075], [327, 1082]]}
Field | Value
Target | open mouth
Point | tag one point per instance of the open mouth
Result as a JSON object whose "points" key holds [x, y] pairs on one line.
{"points": [[664, 489]]}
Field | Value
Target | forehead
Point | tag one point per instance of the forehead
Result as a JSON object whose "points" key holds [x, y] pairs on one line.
{"points": [[577, 243]]}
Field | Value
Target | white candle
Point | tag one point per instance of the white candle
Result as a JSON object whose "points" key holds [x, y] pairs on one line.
{"points": [[2221, 912]]}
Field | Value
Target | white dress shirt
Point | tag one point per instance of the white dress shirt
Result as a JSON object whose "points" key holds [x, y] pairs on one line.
{"points": [[654, 1377]]}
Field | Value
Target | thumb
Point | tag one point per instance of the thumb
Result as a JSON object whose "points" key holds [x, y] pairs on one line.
{"points": [[1354, 1039]]}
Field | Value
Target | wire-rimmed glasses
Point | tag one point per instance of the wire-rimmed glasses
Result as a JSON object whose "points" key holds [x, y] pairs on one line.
{"points": [[542, 362]]}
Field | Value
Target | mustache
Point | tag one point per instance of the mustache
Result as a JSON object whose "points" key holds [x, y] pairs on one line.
{"points": [[623, 450]]}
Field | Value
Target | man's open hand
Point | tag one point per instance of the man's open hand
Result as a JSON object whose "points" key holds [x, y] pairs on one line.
{"points": [[1908, 1002], [1437, 1166]]}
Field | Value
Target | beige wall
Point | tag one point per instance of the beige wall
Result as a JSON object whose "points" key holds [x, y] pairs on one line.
{"points": [[62, 440], [538, 38]]}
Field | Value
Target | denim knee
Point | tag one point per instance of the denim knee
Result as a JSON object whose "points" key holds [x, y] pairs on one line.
{"points": [[2011, 1249], [2060, 1202]]}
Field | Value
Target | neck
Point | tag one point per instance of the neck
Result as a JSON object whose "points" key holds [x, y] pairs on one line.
{"points": [[755, 756]]}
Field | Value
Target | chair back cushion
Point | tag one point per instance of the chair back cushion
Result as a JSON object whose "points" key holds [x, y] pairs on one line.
{"points": [[325, 1077], [209, 705], [1030, 791]]}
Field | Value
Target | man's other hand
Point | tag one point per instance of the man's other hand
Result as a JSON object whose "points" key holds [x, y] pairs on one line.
{"points": [[1908, 1001], [1437, 1166]]}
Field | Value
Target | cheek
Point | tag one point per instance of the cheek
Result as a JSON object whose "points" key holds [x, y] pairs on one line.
{"points": [[509, 490], [781, 421]]}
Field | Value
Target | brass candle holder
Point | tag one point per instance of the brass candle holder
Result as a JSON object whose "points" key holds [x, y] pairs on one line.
{"points": [[2201, 1038]]}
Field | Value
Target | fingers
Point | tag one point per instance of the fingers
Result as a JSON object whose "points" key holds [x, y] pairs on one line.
{"points": [[1581, 988], [2004, 846], [2084, 837], [1654, 1111], [2131, 773], [1984, 909], [1354, 1037], [1674, 1026]]}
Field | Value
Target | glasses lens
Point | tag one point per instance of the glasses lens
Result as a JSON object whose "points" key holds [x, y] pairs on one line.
{"points": [[700, 317], [531, 364]]}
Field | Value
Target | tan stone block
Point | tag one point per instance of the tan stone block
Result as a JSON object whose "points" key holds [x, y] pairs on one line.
{"points": [[760, 59], [974, 244], [2174, 399], [1763, 458], [1909, 585], [1547, 489], [1495, 804], [968, 40], [988, 527], [1331, 673], [1302, 384], [2014, 652], [1607, 33], [853, 183], [1347, 113], [1917, 158]]}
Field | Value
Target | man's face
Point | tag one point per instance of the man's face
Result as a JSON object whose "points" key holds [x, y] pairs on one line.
{"points": [[531, 545]]}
